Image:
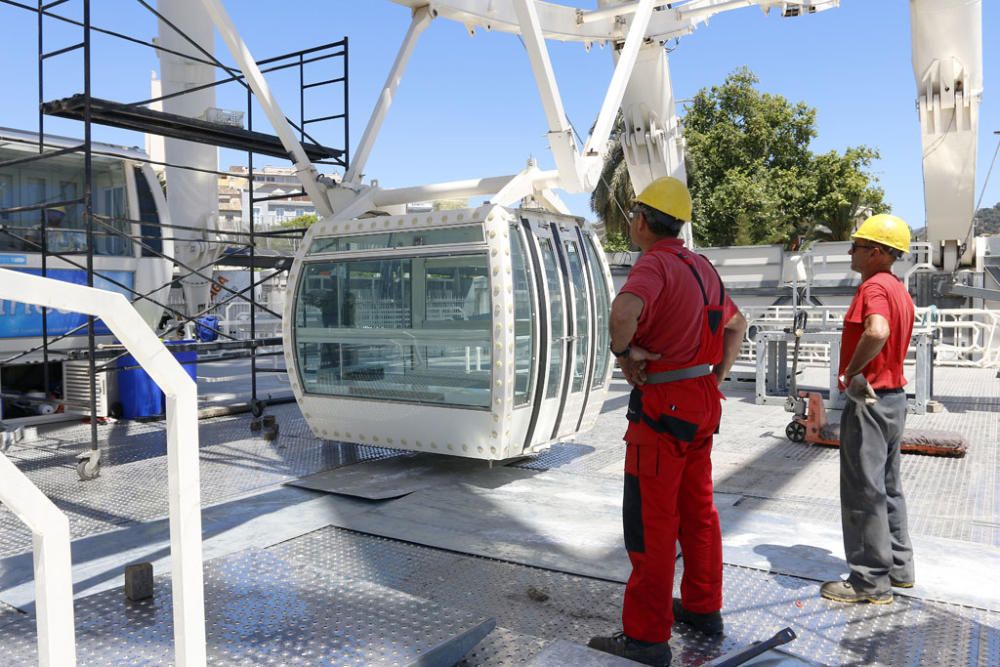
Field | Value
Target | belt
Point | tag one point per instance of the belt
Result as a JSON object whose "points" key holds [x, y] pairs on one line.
{"points": [[886, 392], [679, 374]]}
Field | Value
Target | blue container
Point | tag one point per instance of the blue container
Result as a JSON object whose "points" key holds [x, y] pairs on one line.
{"points": [[138, 394], [207, 329]]}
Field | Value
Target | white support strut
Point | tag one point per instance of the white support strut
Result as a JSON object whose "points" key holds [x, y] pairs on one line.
{"points": [[561, 138], [421, 19], [303, 166], [52, 564]]}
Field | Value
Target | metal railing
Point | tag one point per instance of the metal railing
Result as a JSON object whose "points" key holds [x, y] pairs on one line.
{"points": [[53, 567], [967, 337]]}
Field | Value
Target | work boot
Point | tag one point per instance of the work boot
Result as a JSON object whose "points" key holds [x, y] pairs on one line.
{"points": [[646, 653], [709, 624], [899, 583], [845, 591]]}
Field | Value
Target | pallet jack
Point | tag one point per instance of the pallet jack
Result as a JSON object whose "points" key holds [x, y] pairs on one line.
{"points": [[810, 424]]}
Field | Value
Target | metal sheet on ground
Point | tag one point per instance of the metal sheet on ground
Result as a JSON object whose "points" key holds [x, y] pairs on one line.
{"points": [[261, 611], [561, 653], [258, 521], [400, 476], [558, 521], [815, 550]]}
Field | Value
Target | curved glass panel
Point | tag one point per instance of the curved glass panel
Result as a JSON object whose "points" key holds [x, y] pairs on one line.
{"points": [[407, 329], [602, 306], [403, 239], [582, 304], [558, 318], [524, 321]]}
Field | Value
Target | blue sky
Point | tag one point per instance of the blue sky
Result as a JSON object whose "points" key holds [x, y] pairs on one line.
{"points": [[468, 106]]}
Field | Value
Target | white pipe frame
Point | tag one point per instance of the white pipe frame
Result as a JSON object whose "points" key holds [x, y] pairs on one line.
{"points": [[53, 568], [304, 168], [53, 565]]}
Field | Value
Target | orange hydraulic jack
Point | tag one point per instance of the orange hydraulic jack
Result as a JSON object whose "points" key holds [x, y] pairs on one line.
{"points": [[813, 427]]}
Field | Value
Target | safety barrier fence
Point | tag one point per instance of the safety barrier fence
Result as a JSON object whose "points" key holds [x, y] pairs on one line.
{"points": [[49, 526], [962, 336]]}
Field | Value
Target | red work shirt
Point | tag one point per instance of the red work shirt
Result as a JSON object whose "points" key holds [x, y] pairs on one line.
{"points": [[672, 314], [883, 294]]}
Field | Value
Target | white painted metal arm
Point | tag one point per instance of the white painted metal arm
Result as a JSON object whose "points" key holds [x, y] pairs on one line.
{"points": [[597, 144], [182, 453], [303, 166], [948, 67], [561, 138], [566, 23], [421, 19]]}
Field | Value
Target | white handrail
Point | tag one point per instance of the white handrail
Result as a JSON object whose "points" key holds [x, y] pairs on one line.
{"points": [[54, 580], [53, 566]]}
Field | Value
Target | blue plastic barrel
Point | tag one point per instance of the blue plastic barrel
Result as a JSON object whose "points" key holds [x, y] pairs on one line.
{"points": [[138, 394], [207, 329]]}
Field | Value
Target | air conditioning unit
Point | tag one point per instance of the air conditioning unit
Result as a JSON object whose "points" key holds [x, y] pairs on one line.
{"points": [[76, 388]]}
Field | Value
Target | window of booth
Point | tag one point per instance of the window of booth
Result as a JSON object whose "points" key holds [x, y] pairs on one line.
{"points": [[411, 329], [57, 179]]}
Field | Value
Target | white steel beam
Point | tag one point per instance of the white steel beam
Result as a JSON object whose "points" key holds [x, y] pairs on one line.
{"points": [[596, 145], [52, 558], [561, 138], [421, 19], [565, 23], [304, 168]]}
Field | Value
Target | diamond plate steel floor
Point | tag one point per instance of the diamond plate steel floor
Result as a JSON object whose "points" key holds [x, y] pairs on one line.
{"points": [[951, 498]]}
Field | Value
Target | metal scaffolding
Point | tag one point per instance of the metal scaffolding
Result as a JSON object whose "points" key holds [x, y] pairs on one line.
{"points": [[138, 116]]}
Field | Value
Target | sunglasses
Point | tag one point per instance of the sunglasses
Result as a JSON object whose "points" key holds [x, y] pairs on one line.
{"points": [[858, 246]]}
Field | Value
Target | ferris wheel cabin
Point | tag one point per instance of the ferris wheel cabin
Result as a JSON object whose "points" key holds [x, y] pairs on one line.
{"points": [[479, 333]]}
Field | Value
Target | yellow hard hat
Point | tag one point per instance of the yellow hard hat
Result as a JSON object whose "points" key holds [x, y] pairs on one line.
{"points": [[667, 195], [885, 229]]}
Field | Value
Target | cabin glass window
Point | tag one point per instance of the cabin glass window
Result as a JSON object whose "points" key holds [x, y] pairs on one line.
{"points": [[582, 303], [556, 307], [602, 308], [524, 320], [406, 329], [399, 239]]}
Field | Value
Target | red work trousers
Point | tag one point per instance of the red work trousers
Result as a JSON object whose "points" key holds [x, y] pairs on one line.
{"points": [[668, 497]]}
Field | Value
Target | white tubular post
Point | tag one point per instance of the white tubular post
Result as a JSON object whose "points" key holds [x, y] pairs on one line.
{"points": [[561, 138], [182, 452], [53, 566], [619, 80], [303, 166], [421, 19]]}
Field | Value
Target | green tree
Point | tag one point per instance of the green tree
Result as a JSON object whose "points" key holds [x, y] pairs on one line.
{"points": [[988, 220], [752, 176]]}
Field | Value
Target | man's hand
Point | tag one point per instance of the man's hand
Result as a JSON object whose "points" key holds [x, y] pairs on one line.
{"points": [[633, 365], [860, 390]]}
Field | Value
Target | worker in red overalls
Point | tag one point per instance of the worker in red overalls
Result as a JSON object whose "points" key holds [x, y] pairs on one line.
{"points": [[676, 334]]}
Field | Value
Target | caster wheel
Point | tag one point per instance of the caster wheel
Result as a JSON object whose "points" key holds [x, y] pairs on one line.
{"points": [[796, 432], [88, 470], [257, 408]]}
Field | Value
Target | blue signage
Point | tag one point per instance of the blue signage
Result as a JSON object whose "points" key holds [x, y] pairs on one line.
{"points": [[13, 260], [22, 320]]}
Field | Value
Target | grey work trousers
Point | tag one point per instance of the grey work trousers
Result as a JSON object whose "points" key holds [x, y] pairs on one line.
{"points": [[873, 510]]}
